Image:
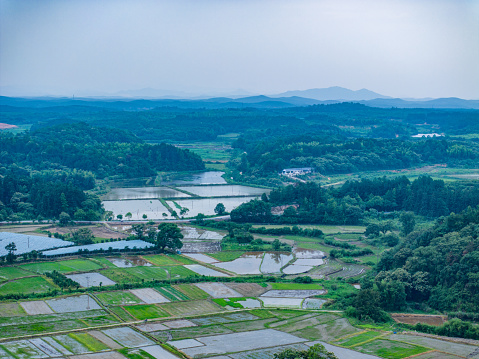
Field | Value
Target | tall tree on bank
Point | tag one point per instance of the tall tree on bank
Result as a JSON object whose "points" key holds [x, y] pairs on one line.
{"points": [[168, 236]]}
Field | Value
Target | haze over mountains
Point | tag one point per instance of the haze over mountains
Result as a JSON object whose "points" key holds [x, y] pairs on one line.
{"points": [[151, 98]]}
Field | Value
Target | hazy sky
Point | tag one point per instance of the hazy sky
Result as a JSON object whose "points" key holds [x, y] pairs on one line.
{"points": [[401, 48]]}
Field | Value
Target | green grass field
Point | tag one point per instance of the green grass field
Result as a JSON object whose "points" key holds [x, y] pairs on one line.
{"points": [[118, 298], [296, 286], [103, 262], [358, 339], [192, 291], [161, 260], [8, 273], [171, 293], [146, 311], [72, 265], [122, 314], [137, 274], [26, 286], [226, 256], [390, 349], [90, 342], [9, 309]]}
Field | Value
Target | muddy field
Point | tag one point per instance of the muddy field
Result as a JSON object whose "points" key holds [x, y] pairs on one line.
{"points": [[100, 232], [417, 318]]}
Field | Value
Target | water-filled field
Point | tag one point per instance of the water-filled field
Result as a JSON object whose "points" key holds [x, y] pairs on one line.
{"points": [[210, 177], [96, 246], [207, 205], [27, 243], [222, 191], [141, 193], [153, 209]]}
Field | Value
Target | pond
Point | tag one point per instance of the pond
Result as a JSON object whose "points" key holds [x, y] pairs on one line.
{"points": [[152, 208], [207, 205], [142, 192], [229, 190], [210, 177]]}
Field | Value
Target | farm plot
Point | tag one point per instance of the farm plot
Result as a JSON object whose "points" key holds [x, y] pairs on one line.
{"points": [[45, 347], [273, 262], [390, 349], [358, 339], [182, 309], [73, 265], [210, 235], [15, 331], [36, 307], [296, 269], [218, 290], [100, 246], [118, 298], [282, 302], [27, 243], [9, 273], [27, 285], [151, 327], [201, 247], [236, 342], [441, 345], [185, 343], [180, 323], [415, 318], [24, 349], [88, 280], [10, 309], [304, 321], [128, 337], [249, 325], [309, 262], [247, 289], [171, 293], [161, 260], [202, 258], [145, 311], [137, 274], [192, 291], [225, 318], [193, 332], [343, 353], [328, 331], [313, 303], [120, 262], [348, 271], [149, 295], [226, 256], [73, 304], [266, 353], [292, 293], [71, 344], [89, 341], [246, 264], [158, 352], [202, 270]]}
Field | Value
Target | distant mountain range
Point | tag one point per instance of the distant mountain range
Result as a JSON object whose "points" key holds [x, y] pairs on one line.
{"points": [[334, 93], [319, 96]]}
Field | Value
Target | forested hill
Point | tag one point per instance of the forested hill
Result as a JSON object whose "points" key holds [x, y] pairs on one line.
{"points": [[440, 266], [103, 151], [331, 156]]}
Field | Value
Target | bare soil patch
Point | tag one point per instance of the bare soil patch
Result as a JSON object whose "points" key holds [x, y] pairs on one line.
{"points": [[418, 318], [247, 289], [101, 232]]}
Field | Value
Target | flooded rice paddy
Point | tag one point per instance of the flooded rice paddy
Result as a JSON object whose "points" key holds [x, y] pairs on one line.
{"points": [[129, 261], [224, 191], [210, 177], [142, 193], [207, 205], [154, 209]]}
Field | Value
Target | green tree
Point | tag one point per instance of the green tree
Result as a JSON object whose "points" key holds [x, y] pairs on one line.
{"points": [[11, 248], [220, 209], [64, 218], [276, 245], [144, 216], [317, 351], [82, 236], [128, 215], [64, 203], [408, 222], [120, 217], [168, 236]]}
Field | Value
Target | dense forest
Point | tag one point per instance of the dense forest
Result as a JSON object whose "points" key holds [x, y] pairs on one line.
{"points": [[439, 266], [356, 201], [103, 151], [331, 156], [45, 172]]}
